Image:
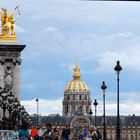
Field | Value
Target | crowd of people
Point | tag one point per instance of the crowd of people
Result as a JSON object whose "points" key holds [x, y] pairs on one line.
{"points": [[24, 133]]}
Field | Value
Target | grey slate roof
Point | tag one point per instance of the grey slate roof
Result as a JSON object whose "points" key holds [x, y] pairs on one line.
{"points": [[110, 120]]}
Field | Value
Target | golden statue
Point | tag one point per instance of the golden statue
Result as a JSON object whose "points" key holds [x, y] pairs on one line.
{"points": [[8, 24]]}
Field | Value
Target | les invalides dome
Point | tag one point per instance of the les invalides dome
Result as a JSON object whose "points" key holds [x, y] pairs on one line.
{"points": [[76, 96]]}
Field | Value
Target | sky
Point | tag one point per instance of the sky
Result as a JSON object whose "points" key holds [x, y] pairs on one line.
{"points": [[98, 33]]}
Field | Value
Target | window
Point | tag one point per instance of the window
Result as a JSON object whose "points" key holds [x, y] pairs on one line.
{"points": [[80, 97], [68, 97], [87, 109], [73, 97], [67, 109]]}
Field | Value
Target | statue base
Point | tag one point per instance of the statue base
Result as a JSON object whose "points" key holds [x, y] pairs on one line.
{"points": [[7, 37]]}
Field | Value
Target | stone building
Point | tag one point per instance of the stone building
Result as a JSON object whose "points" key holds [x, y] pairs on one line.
{"points": [[75, 114], [76, 96], [130, 125]]}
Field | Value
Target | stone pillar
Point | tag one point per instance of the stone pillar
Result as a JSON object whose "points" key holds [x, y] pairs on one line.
{"points": [[10, 53], [2, 61], [84, 109], [69, 109], [16, 73]]}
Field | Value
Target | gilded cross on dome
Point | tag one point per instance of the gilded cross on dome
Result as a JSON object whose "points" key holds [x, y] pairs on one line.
{"points": [[8, 24]]}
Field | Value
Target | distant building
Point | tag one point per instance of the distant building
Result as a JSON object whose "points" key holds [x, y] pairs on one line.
{"points": [[76, 107], [76, 96]]}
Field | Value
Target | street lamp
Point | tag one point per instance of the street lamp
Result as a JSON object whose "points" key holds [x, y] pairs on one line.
{"points": [[118, 68], [4, 107], [10, 99], [4, 102], [103, 87], [15, 110], [90, 113], [37, 112], [95, 104]]}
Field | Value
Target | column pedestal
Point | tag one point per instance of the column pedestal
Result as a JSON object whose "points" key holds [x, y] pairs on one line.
{"points": [[10, 60]]}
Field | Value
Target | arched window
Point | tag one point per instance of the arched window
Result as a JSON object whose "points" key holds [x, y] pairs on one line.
{"points": [[80, 97]]}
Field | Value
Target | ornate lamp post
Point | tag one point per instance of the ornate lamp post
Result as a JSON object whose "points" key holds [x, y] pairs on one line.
{"points": [[95, 104], [10, 99], [19, 113], [0, 106], [15, 110], [0, 99], [4, 102], [22, 113], [37, 112], [90, 113], [118, 68], [4, 107], [103, 87]]}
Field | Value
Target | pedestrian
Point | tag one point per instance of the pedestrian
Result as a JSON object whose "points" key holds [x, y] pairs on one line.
{"points": [[99, 134], [93, 133], [24, 132], [34, 133], [56, 134], [14, 134], [48, 134], [85, 133], [66, 133], [40, 133]]}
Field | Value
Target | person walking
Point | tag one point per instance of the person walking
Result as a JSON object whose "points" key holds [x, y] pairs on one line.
{"points": [[14, 134], [56, 134], [24, 132], [66, 133], [48, 134], [85, 133], [34, 133], [93, 135]]}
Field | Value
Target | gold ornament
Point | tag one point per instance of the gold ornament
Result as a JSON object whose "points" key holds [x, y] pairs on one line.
{"points": [[8, 31]]}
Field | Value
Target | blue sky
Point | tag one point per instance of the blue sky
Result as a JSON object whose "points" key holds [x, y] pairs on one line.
{"points": [[98, 33]]}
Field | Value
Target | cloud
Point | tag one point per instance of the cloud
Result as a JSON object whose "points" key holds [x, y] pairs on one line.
{"points": [[46, 107], [21, 30], [129, 57]]}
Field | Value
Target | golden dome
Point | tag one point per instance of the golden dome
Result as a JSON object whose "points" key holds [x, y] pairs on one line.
{"points": [[77, 85]]}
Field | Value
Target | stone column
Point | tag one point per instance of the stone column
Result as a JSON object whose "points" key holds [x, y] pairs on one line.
{"points": [[84, 109], [69, 109], [16, 74]]}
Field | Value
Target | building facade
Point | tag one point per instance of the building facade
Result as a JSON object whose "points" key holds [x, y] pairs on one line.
{"points": [[75, 114]]}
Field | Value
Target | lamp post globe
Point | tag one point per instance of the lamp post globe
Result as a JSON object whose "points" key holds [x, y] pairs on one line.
{"points": [[104, 87], [118, 68], [95, 105]]}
